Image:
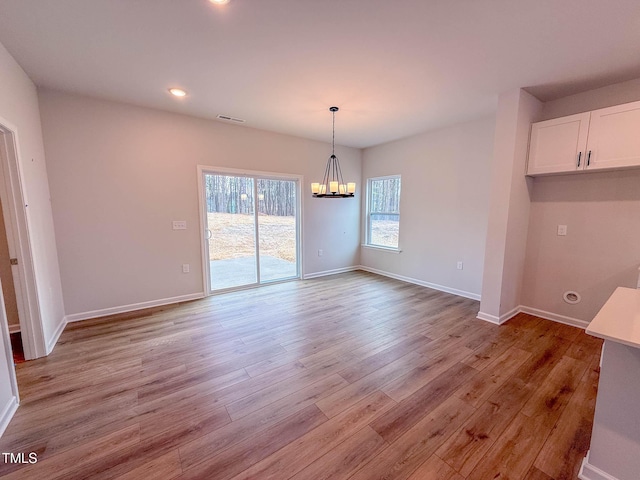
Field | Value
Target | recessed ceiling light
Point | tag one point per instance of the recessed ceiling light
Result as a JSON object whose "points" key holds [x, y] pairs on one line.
{"points": [[219, 2], [178, 92]]}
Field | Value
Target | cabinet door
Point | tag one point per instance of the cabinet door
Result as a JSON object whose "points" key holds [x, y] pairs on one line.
{"points": [[558, 145], [614, 137]]}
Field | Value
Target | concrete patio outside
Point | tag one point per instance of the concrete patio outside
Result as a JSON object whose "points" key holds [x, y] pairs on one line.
{"points": [[235, 272]]}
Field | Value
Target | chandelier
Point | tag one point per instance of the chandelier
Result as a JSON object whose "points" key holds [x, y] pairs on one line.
{"points": [[333, 185]]}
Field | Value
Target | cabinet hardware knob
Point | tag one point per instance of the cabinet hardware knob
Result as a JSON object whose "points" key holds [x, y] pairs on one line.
{"points": [[579, 157]]}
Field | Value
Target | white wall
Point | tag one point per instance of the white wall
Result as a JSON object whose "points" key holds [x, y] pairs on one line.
{"points": [[119, 175], [509, 209], [601, 210], [19, 107], [443, 205], [615, 94]]}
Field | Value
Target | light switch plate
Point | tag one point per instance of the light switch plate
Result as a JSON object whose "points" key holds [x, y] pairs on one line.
{"points": [[562, 230], [179, 224]]}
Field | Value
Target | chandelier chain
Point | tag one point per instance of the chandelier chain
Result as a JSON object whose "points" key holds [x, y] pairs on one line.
{"points": [[333, 138]]}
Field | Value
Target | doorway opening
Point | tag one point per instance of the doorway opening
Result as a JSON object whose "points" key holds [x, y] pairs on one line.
{"points": [[251, 227], [17, 348], [8, 289], [7, 262], [17, 273], [16, 332]]}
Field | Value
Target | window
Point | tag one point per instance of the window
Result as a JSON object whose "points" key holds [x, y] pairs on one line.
{"points": [[383, 211]]}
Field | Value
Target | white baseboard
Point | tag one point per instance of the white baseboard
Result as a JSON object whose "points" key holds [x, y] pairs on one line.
{"points": [[335, 271], [14, 328], [488, 318], [415, 281], [76, 317], [56, 335], [7, 414], [498, 320], [574, 322], [589, 472]]}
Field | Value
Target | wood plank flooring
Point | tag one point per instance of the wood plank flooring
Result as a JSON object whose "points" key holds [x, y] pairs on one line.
{"points": [[353, 376]]}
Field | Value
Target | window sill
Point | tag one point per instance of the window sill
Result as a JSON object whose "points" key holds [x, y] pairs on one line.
{"points": [[384, 249]]}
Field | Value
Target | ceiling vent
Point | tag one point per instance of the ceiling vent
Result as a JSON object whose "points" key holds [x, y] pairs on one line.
{"points": [[227, 118]]}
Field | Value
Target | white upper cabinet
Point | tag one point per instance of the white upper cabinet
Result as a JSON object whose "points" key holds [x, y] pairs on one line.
{"points": [[558, 145], [614, 137], [603, 139]]}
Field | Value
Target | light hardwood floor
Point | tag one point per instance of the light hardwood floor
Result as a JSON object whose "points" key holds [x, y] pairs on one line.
{"points": [[350, 376]]}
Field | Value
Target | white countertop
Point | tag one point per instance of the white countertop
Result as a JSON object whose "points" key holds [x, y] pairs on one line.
{"points": [[619, 319]]}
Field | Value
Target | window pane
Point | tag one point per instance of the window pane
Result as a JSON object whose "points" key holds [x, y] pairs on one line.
{"points": [[277, 228], [231, 223], [384, 211], [384, 230], [385, 196]]}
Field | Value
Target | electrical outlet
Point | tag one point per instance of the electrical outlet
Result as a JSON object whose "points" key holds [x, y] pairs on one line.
{"points": [[179, 225], [562, 230], [185, 268], [320, 252], [459, 265]]}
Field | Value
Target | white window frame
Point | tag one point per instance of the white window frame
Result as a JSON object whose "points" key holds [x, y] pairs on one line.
{"points": [[367, 236]]}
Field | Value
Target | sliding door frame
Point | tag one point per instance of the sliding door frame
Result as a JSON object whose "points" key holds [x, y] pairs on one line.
{"points": [[255, 175]]}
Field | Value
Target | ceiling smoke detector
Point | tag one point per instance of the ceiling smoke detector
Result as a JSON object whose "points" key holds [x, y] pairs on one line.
{"points": [[228, 118]]}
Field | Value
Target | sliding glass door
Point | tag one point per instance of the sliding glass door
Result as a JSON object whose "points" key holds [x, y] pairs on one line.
{"points": [[251, 225]]}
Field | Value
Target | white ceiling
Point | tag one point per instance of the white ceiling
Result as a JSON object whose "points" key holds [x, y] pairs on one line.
{"points": [[394, 67]]}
